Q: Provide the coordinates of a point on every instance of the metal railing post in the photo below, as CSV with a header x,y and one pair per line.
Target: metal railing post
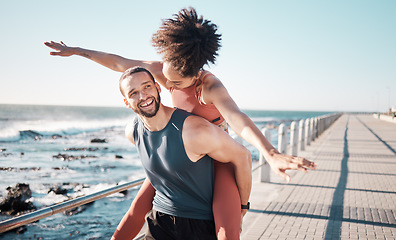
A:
x,y
282,138
265,167
307,132
312,128
315,128
293,138
301,136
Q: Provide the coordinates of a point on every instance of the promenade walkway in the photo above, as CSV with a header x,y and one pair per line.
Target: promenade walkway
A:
x,y
352,194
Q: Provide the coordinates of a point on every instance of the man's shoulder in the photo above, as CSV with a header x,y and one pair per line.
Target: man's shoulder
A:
x,y
182,112
132,124
130,129
196,125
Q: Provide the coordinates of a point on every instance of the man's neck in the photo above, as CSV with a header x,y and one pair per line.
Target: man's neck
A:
x,y
160,120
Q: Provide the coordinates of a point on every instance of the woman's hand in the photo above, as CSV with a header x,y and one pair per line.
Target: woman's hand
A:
x,y
61,49
281,162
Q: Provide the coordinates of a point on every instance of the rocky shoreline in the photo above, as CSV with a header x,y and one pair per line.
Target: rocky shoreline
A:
x,y
16,202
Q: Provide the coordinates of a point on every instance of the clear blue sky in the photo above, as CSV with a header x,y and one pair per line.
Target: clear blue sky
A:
x,y
275,55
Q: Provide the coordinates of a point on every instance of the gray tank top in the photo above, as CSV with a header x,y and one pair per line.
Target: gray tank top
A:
x,y
183,188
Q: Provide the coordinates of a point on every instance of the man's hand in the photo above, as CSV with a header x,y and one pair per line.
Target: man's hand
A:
x,y
281,162
61,49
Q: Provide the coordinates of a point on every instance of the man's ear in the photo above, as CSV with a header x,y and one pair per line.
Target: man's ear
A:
x,y
158,87
127,103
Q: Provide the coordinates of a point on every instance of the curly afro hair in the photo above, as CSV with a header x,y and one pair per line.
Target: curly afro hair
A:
x,y
187,42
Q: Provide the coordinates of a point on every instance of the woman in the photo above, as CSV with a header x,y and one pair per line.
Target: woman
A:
x,y
187,43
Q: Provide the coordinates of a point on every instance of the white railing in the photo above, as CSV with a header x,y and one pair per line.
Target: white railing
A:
x,y
296,138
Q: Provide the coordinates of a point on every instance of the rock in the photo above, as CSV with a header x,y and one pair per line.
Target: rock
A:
x,y
15,202
118,157
20,230
82,149
66,157
98,140
29,169
77,210
21,191
59,168
56,136
125,192
9,169
58,190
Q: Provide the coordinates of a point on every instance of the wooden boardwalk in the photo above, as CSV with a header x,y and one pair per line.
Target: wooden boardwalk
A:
x,y
352,194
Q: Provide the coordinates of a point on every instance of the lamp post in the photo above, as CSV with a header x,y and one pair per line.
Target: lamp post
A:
x,y
389,97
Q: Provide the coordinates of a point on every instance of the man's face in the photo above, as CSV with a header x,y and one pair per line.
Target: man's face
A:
x,y
141,94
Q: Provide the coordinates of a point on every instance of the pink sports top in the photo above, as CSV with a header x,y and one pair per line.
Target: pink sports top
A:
x,y
191,101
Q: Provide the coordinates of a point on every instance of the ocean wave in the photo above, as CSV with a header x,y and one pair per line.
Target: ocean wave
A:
x,y
46,128
48,199
41,197
264,119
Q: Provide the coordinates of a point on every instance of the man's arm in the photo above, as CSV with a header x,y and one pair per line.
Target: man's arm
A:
x,y
201,137
112,61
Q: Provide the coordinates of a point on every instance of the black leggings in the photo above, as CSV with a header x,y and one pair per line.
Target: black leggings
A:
x,y
162,226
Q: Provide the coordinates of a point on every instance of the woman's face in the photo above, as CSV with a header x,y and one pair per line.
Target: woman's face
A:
x,y
174,79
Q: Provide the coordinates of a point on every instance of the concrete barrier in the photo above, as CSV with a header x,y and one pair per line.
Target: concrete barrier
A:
x,y
385,117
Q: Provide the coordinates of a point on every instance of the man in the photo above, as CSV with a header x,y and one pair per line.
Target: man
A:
x,y
177,151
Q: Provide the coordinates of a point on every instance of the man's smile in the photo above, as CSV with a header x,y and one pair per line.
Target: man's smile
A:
x,y
146,103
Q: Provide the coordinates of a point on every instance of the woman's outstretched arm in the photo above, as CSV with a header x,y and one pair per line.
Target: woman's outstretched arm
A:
x,y
109,60
214,92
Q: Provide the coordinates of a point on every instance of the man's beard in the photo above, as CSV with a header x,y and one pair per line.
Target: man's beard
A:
x,y
156,103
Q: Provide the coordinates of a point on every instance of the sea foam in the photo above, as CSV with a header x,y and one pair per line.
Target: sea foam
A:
x,y
29,129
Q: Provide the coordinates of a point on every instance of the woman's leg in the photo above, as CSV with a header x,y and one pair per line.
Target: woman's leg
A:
x,y
134,218
226,202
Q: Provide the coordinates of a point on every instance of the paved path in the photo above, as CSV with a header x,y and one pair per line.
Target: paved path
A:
x,y
352,194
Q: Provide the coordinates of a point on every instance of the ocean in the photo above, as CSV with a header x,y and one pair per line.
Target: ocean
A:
x,y
81,150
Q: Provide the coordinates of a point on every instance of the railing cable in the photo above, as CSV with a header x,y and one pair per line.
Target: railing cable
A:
x,y
61,207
